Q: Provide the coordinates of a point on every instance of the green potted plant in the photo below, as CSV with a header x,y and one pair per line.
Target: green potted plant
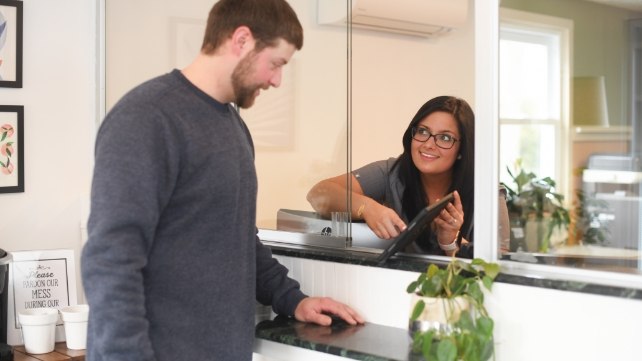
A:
x,y
534,199
449,320
589,228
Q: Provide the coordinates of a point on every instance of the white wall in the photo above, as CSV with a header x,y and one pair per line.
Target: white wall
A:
x,y
394,75
58,95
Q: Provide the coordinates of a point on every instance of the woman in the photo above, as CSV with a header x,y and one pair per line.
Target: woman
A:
x,y
438,158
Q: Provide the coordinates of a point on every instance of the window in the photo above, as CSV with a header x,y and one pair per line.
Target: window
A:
x,y
531,99
540,58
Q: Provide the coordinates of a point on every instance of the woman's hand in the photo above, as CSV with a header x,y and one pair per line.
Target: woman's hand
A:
x,y
450,221
383,221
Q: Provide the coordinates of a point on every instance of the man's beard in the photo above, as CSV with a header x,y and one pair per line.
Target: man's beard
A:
x,y
244,92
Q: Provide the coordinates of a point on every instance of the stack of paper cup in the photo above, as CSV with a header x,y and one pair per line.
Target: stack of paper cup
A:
x,y
38,329
75,320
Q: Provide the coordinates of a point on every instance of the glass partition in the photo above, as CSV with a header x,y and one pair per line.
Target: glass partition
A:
x,y
394,74
300,129
570,132
348,96
345,99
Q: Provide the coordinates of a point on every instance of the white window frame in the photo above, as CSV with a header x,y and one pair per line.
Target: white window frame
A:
x,y
563,28
487,163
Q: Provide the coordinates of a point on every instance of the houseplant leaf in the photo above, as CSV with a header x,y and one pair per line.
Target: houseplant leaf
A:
x,y
485,325
427,344
469,336
446,350
419,308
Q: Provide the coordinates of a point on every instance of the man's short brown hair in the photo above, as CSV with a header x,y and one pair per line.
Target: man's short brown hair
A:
x,y
269,20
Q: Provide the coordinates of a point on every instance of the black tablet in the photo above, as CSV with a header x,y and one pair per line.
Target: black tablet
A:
x,y
414,228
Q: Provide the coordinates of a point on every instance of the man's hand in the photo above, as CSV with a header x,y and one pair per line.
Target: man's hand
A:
x,y
312,309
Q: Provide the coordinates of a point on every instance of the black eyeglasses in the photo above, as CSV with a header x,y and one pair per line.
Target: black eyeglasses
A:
x,y
443,141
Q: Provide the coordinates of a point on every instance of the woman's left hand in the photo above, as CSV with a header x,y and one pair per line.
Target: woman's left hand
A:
x,y
450,221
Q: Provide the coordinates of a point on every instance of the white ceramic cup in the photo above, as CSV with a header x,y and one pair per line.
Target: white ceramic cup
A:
x,y
38,329
75,320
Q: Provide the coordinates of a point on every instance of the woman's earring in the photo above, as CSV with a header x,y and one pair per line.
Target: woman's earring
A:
x,y
458,156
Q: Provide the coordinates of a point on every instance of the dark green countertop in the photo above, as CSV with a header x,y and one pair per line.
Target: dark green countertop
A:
x,y
368,342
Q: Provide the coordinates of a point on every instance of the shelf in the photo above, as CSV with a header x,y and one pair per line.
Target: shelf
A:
x,y
598,133
60,353
611,176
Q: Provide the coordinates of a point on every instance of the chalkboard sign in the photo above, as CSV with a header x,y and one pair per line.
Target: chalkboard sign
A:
x,y
39,279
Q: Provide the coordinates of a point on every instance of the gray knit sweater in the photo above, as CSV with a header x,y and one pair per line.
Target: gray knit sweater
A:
x,y
173,266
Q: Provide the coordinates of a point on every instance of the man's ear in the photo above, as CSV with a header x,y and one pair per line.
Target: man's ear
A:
x,y
242,40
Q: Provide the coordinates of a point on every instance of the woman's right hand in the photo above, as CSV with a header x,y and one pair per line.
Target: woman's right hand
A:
x,y
329,195
383,221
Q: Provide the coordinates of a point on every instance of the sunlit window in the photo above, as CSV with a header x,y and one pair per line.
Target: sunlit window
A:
x,y
530,117
574,185
534,126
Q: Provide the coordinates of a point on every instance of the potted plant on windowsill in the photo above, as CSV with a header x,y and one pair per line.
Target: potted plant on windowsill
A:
x,y
449,320
536,208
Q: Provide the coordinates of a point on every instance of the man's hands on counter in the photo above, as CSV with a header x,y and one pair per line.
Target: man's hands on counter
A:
x,y
315,310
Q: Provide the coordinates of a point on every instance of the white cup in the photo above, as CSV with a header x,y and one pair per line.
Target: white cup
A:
x,y
38,329
75,320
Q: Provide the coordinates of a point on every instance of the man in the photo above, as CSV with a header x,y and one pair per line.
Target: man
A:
x,y
173,265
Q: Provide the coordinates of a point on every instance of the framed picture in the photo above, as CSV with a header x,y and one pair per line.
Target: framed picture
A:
x,y
39,278
12,164
10,44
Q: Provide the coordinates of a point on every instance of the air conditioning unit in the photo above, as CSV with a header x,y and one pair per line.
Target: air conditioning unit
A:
x,y
411,17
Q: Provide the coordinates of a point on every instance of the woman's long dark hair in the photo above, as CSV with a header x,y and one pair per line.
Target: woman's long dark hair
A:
x,y
414,196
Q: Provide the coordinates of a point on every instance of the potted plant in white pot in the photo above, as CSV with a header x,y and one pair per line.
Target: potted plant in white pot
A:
x,y
449,320
536,208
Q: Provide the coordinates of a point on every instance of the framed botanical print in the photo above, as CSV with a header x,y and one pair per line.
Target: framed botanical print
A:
x,y
12,149
10,44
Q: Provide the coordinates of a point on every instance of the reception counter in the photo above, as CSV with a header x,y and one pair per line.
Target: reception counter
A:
x,y
378,292
361,342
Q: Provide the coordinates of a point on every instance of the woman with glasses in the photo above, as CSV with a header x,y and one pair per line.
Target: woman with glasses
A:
x,y
438,158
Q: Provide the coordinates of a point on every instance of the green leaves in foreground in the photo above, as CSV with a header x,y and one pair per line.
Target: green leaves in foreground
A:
x,y
472,338
472,341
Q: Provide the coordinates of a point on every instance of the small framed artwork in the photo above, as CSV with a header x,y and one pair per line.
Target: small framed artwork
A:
x,y
10,44
12,163
37,279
